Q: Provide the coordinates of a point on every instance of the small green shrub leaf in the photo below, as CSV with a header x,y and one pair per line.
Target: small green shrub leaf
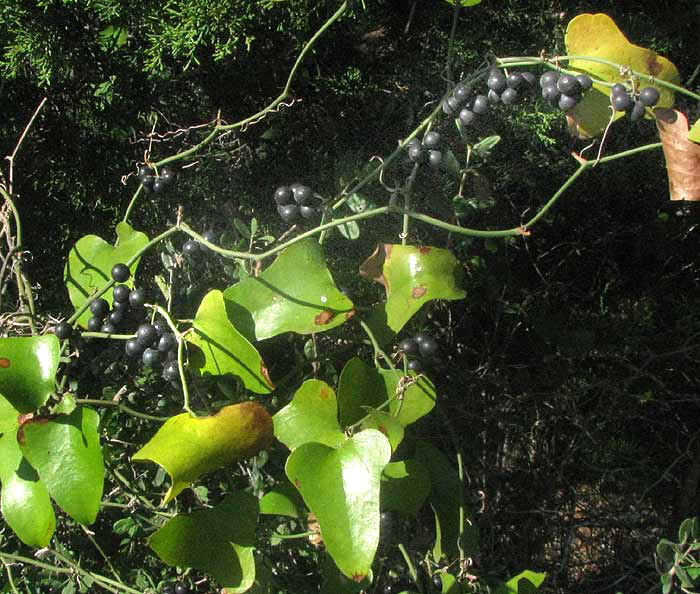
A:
x,y
311,416
188,447
65,451
295,294
28,366
223,350
90,264
405,486
341,488
218,541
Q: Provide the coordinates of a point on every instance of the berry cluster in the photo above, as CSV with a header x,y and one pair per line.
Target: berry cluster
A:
x,y
192,247
155,343
177,589
564,91
419,351
427,150
507,89
471,106
635,107
156,183
294,201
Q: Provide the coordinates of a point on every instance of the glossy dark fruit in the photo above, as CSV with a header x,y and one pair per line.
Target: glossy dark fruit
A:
x,y
133,347
302,194
549,78
150,357
496,80
416,153
422,336
567,102
446,109
528,77
453,102
159,186
121,293
414,365
568,85
515,80
620,101
466,116
618,89
284,195
431,139
509,96
108,328
63,330
115,317
167,175
461,93
146,334
99,308
435,158
428,347
493,96
121,272
161,326
585,82
94,324
481,104
437,581
170,371
190,247
414,141
408,346
550,92
288,212
146,171
167,590
167,342
638,110
180,589
306,211
137,297
649,96
148,181
121,308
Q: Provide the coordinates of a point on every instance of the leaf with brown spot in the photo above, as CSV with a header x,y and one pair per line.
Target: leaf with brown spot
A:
x,y
682,155
324,317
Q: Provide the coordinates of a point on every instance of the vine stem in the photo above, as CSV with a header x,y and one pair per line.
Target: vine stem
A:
x,y
120,406
411,568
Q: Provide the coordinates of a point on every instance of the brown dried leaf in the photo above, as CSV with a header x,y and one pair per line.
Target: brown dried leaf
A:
x,y
682,155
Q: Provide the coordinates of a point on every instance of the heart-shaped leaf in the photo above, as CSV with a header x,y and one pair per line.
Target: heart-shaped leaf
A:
x,y
282,501
28,366
412,276
218,541
312,415
295,294
405,485
65,451
362,388
90,263
224,350
597,35
682,155
25,502
341,488
188,447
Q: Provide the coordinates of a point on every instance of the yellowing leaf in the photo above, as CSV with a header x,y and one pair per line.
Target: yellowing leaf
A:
x,y
597,35
188,447
682,155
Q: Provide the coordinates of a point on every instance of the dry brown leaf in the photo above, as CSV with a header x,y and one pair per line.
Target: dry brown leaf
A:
x,y
682,155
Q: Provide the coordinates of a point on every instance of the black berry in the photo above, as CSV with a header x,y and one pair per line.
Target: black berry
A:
x,y
466,116
284,195
515,80
416,153
94,324
428,347
408,346
161,326
481,104
180,589
414,365
288,212
621,101
167,342
649,96
638,110
437,581
307,212
431,139
63,330
190,247
99,308
496,80
120,272
167,590
133,347
167,175
115,317
170,371
137,297
150,357
108,328
121,294
509,96
435,158
549,78
585,82
146,334
567,102
159,186
568,85
302,194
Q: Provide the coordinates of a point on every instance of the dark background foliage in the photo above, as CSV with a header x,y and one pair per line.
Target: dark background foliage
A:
x,y
570,371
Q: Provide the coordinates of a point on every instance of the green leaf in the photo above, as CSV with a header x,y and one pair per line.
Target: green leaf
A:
x,y
694,132
113,37
597,35
295,294
387,424
312,415
188,447
412,276
359,203
483,148
218,541
341,488
25,502
445,500
687,530
665,552
350,230
284,500
450,585
90,263
334,582
223,349
28,366
405,485
525,582
466,2
451,163
65,451
362,387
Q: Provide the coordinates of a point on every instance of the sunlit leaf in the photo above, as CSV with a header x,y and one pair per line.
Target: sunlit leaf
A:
x,y
28,366
65,451
224,350
519,584
405,485
341,488
597,35
388,424
412,276
694,133
218,541
283,500
188,447
90,264
682,155
295,294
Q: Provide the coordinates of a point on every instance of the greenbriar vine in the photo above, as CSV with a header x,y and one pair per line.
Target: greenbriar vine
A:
x,y
342,478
